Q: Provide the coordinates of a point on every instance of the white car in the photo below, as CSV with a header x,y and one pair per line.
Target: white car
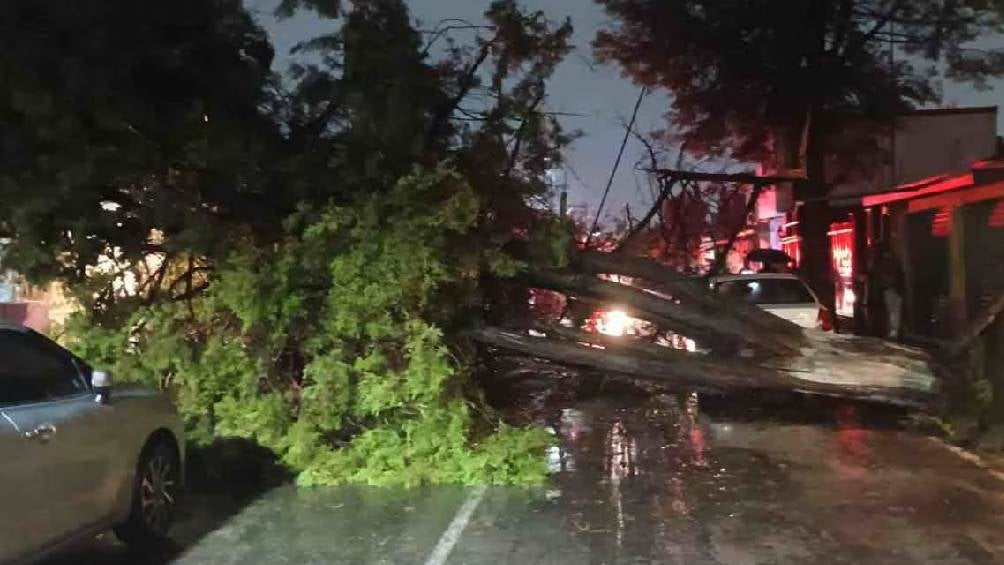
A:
x,y
784,295
78,457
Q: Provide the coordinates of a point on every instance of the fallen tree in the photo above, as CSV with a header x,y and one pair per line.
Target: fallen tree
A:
x,y
681,370
741,346
724,333
661,278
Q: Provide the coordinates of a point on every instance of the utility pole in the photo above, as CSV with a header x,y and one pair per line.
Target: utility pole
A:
x,y
557,182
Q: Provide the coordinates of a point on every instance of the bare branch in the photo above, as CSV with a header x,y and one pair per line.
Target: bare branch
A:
x,y
882,22
667,188
444,27
465,84
517,143
723,255
741,178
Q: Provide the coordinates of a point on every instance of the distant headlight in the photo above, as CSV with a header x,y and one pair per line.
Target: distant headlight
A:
x,y
615,323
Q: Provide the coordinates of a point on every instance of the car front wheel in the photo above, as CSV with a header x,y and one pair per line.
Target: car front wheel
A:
x,y
154,498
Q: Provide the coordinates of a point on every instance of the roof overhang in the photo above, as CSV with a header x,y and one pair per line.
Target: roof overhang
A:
x,y
925,187
972,195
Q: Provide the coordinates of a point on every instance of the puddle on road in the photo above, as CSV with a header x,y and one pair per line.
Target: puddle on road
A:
x,y
637,476
683,479
654,479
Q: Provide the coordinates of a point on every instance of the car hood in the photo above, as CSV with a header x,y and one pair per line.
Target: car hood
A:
x,y
805,315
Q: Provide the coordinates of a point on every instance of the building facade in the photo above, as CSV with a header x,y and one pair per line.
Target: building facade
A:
x,y
919,148
948,234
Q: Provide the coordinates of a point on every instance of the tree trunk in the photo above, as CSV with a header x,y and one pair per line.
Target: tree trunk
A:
x,y
976,327
816,268
814,214
994,371
686,371
688,290
721,332
749,348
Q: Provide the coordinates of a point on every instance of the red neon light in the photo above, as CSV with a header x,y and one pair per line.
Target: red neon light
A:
x,y
744,233
970,195
842,249
792,246
997,215
842,257
942,224
950,183
987,164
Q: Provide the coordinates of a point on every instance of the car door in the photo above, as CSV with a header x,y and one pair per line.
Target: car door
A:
x,y
17,493
57,464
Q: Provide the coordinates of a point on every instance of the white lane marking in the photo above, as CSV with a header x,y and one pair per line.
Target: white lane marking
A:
x,y
452,533
12,422
969,456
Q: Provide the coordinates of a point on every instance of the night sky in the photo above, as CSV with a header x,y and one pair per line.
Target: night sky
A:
x,y
600,94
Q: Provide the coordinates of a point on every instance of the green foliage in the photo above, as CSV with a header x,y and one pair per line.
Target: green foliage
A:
x,y
433,447
556,236
504,265
135,116
742,71
321,349
290,256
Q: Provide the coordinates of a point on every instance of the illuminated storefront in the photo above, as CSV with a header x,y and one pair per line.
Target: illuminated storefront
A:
x,y
842,256
791,242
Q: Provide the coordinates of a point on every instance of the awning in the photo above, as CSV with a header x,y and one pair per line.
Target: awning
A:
x,y
925,187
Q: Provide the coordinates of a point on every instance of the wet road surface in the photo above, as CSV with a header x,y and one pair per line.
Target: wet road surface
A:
x,y
639,481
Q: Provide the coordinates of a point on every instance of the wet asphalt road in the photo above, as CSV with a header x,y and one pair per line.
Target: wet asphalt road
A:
x,y
638,481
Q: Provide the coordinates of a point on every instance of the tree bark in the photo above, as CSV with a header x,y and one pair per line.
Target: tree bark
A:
x,y
749,348
816,266
633,231
689,291
739,178
976,327
720,332
686,371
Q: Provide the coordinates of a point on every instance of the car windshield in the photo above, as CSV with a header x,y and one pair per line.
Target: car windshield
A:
x,y
767,291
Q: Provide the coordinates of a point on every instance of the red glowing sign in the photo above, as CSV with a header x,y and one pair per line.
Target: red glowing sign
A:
x,y
842,257
792,246
842,249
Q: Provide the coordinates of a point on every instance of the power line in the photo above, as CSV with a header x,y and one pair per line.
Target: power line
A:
x,y
617,163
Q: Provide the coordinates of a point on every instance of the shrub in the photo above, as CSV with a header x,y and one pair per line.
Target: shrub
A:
x,y
327,347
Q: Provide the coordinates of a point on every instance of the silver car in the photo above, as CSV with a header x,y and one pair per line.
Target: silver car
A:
x,y
77,457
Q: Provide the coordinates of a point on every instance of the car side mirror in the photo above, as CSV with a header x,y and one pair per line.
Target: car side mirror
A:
x,y
101,383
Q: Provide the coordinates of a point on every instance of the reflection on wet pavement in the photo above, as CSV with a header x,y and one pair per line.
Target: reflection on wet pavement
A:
x,y
660,480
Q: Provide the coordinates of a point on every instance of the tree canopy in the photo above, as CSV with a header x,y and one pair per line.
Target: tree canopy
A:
x,y
741,71
276,249
773,82
121,118
167,120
